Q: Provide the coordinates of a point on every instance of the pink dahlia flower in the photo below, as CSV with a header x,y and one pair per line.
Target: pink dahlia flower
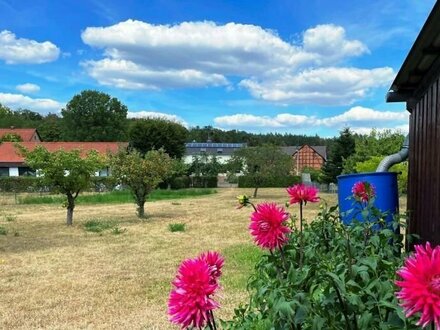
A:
x,y
420,285
268,226
190,302
363,191
300,193
215,263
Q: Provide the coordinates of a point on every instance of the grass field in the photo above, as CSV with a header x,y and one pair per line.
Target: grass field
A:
x,y
56,277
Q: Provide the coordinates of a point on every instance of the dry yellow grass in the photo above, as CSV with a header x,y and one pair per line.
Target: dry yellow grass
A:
x,y
55,277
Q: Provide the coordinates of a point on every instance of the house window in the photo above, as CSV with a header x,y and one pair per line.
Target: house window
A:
x,y
26,171
4,171
202,149
220,151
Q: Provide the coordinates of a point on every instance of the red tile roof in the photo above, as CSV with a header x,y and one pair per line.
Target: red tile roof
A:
x,y
10,154
26,134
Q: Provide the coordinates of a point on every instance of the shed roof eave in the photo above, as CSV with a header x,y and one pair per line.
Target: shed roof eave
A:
x,y
423,54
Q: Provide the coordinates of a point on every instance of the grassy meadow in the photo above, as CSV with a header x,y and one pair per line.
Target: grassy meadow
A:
x,y
93,276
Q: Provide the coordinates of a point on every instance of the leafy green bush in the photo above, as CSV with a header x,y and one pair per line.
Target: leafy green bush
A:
x,y
269,182
173,227
346,279
3,231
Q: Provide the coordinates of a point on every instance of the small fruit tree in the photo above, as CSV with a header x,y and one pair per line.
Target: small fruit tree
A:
x,y
68,172
140,173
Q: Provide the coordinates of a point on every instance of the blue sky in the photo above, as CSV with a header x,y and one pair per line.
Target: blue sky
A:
x,y
304,67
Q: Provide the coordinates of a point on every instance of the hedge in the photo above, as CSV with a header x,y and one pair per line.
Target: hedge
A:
x,y
102,183
204,181
31,184
269,182
18,184
180,182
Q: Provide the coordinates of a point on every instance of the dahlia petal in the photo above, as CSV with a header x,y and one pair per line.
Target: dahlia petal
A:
x,y
419,285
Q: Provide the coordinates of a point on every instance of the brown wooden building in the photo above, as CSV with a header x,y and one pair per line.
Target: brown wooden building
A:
x,y
306,157
418,84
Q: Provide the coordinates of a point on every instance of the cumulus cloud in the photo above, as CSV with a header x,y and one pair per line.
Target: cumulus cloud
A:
x,y
15,50
357,118
16,101
155,114
28,88
139,55
325,86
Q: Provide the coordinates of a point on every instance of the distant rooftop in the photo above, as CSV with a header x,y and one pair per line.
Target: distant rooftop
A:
x,y
212,148
291,150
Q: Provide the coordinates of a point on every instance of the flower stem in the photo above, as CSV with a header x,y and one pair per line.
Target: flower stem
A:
x,y
252,204
344,307
283,259
301,238
213,320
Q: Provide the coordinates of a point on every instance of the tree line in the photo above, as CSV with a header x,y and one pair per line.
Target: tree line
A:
x,y
96,116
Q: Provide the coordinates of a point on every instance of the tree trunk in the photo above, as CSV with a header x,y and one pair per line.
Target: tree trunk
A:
x,y
141,210
255,192
70,207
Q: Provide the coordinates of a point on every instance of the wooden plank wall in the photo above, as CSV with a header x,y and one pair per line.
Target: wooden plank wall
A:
x,y
424,167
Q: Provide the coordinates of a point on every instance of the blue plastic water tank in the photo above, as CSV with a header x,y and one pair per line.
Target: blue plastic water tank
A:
x,y
387,198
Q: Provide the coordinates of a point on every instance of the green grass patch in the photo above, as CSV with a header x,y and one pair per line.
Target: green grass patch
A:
x,y
98,226
3,231
240,262
117,197
173,227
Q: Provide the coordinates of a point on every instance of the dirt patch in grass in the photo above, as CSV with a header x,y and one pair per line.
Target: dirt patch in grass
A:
x,y
56,277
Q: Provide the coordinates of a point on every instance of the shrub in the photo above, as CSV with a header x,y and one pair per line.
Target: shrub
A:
x,y
3,231
173,227
269,182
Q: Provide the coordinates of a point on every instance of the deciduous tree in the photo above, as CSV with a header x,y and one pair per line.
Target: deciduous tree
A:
x,y
157,133
66,171
94,116
141,173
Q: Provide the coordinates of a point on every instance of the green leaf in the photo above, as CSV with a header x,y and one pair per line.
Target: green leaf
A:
x,y
318,323
370,262
365,320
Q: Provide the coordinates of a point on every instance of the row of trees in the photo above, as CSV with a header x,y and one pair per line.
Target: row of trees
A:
x,y
70,173
96,116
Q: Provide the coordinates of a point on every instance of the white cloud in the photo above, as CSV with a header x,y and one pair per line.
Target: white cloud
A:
x,y
279,121
15,50
325,86
357,118
16,101
155,114
364,116
28,88
330,43
129,75
139,55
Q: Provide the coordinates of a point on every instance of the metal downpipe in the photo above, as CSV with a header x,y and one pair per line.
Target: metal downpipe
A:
x,y
396,158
